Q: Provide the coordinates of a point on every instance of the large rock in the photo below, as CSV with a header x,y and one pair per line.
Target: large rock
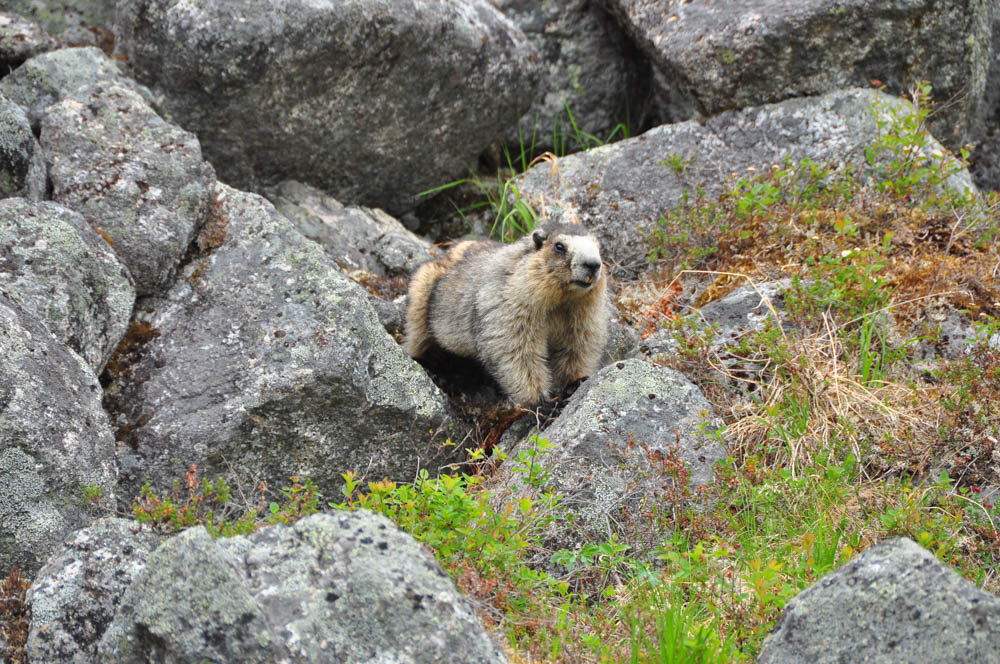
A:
x,y
622,190
51,77
136,178
20,39
371,101
76,594
589,66
894,603
267,361
631,432
719,56
57,267
347,587
54,438
22,168
357,238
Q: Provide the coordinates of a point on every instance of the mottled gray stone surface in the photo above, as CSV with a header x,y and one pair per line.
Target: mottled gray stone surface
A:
x,y
51,77
621,190
22,168
76,594
58,268
269,362
619,441
716,56
58,15
54,438
894,604
589,65
342,587
20,39
371,101
135,177
357,238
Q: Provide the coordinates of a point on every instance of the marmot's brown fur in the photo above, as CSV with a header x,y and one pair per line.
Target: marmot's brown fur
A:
x,y
534,312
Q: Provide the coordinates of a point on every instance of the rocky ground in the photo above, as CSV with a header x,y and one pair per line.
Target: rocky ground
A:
x,y
207,220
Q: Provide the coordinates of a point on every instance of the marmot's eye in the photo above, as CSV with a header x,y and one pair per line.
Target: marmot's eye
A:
x,y
560,248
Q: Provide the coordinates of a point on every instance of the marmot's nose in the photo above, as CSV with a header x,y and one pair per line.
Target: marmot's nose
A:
x,y
591,266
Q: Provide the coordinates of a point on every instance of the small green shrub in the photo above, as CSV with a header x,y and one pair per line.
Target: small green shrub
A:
x,y
208,504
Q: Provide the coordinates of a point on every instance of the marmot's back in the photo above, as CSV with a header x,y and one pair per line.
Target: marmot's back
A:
x,y
532,312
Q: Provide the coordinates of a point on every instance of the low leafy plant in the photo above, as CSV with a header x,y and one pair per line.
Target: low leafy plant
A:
x,y
200,502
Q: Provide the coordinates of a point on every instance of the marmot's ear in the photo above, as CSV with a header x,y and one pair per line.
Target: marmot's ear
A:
x,y
539,236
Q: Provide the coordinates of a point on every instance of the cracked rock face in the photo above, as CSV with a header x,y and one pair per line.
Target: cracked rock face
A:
x,y
371,101
265,361
342,587
895,602
54,439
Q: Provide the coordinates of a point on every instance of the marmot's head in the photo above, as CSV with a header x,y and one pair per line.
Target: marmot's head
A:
x,y
571,255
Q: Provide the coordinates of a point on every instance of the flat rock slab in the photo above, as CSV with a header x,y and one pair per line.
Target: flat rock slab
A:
x,y
342,587
894,604
76,594
715,56
621,190
631,432
135,177
371,101
265,361
57,267
54,438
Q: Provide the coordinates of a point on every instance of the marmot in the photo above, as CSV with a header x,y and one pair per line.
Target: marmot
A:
x,y
534,312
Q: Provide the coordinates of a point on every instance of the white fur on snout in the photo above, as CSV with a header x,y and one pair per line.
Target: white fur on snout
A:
x,y
584,249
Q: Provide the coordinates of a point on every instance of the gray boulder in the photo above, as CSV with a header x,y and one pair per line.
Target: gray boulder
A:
x,y
22,168
719,56
136,178
51,77
20,39
621,190
58,268
58,15
265,361
370,101
54,438
589,65
894,604
76,594
357,238
347,587
631,432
